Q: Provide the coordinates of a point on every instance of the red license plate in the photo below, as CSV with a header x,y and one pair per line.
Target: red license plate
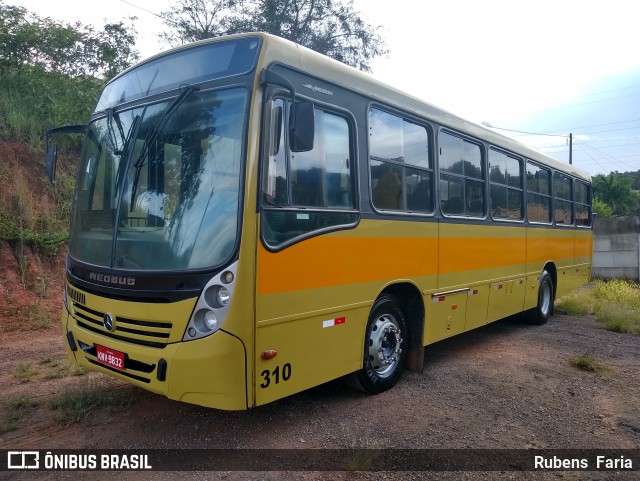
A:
x,y
110,357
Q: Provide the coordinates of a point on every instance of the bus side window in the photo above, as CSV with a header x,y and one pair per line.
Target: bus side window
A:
x,y
314,185
506,186
563,206
400,163
462,177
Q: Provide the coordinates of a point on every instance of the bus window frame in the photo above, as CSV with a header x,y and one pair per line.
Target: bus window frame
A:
x,y
572,224
484,164
429,128
550,196
589,187
522,188
270,95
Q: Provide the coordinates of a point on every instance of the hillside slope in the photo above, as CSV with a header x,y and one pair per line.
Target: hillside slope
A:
x,y
31,272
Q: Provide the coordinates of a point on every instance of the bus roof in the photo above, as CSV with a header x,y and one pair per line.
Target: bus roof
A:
x,y
277,49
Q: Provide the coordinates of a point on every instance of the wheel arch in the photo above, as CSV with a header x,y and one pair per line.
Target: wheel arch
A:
x,y
550,267
412,304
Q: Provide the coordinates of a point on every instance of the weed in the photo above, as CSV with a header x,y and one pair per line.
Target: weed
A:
x,y
76,405
59,368
13,410
587,362
24,372
41,317
361,454
616,304
618,291
619,317
577,304
77,370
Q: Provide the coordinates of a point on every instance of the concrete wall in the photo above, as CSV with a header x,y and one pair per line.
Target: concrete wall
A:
x,y
616,248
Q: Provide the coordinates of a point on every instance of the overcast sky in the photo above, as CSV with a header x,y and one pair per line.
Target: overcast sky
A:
x,y
543,66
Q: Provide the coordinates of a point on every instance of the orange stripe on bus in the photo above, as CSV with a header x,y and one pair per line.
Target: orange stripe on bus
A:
x,y
458,255
328,261
551,248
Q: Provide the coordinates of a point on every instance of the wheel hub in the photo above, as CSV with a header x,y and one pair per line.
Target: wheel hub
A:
x,y
384,345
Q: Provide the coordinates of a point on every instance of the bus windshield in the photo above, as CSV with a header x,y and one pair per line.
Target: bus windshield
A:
x,y
159,186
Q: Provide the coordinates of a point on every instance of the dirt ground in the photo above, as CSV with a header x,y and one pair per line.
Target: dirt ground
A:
x,y
504,386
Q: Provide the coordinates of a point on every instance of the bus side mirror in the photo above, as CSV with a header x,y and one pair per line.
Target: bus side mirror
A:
x,y
50,162
52,150
301,126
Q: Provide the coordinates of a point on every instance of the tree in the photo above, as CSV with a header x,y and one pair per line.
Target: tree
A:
x,y
615,190
331,27
70,49
602,209
51,73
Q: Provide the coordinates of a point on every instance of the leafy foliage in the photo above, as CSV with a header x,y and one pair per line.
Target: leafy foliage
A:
x,y
51,73
69,49
601,208
616,191
330,27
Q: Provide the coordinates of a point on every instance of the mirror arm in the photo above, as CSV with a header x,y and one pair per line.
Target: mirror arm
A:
x,y
271,77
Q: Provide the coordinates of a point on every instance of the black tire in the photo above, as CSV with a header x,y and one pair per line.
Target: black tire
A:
x,y
544,310
385,347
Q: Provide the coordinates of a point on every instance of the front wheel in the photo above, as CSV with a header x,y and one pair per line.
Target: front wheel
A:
x,y
543,311
384,347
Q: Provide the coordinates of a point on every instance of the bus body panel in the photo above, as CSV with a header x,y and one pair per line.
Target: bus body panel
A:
x,y
222,356
311,350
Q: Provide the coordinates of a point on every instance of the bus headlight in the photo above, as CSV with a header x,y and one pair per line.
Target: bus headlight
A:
x,y
222,296
206,320
212,306
217,296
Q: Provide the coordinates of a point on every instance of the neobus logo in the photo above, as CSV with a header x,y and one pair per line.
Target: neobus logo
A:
x,y
318,89
107,279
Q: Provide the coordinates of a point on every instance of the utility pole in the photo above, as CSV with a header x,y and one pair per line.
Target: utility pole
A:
x,y
570,148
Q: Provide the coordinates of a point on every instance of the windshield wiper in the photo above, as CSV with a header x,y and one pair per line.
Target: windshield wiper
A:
x,y
112,140
152,134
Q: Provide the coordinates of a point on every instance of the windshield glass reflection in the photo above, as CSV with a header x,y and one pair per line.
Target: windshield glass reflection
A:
x,y
176,206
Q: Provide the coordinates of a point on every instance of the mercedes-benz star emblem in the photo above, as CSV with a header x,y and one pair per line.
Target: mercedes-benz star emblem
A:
x,y
108,322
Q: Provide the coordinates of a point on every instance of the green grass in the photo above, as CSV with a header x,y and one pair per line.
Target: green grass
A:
x,y
14,410
615,303
59,368
587,362
579,303
618,318
86,404
622,292
24,372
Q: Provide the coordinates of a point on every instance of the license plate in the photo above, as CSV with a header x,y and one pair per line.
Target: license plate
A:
x,y
110,357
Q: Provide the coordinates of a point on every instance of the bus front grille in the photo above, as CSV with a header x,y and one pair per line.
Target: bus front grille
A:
x,y
136,331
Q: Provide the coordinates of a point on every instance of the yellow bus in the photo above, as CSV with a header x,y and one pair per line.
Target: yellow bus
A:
x,y
252,219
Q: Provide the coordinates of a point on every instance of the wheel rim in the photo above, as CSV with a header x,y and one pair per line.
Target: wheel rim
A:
x,y
385,339
545,298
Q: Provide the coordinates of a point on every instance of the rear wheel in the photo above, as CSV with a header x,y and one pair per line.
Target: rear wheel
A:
x,y
384,347
544,309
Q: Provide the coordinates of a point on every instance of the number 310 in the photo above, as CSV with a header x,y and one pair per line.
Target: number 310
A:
x,y
276,374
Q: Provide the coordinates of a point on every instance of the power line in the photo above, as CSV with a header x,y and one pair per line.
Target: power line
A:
x,y
164,19
488,124
610,158
595,125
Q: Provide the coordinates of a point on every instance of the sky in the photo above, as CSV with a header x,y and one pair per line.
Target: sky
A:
x,y
549,67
